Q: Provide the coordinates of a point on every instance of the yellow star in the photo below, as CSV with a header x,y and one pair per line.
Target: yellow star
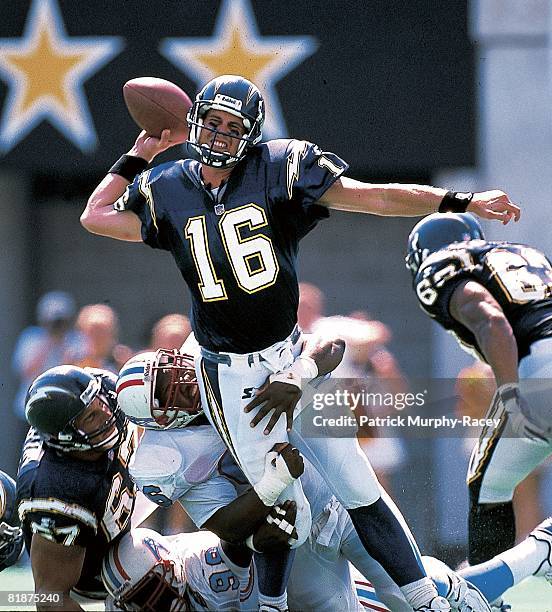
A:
x,y
45,70
236,47
45,73
237,58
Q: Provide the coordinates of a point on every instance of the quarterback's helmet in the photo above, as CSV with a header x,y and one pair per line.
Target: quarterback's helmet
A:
x,y
436,231
58,396
159,390
11,535
141,572
237,96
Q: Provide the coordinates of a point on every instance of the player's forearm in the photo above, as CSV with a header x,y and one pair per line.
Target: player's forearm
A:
x,y
383,199
236,521
106,193
100,218
237,555
498,344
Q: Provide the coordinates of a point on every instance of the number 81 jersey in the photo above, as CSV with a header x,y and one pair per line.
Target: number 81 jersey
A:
x,y
519,277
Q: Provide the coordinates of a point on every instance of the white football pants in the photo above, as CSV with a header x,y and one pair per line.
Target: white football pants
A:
x,y
227,381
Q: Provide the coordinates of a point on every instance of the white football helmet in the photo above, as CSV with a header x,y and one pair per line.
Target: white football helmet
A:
x,y
159,390
141,572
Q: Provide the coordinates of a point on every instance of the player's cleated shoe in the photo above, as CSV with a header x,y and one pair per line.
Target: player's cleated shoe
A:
x,y
437,604
464,596
543,533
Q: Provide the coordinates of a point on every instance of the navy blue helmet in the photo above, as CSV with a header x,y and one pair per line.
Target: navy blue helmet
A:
x,y
235,95
58,396
436,231
11,536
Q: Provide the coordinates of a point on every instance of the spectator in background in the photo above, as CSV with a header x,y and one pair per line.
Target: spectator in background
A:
x,y
369,362
170,332
311,306
52,342
99,325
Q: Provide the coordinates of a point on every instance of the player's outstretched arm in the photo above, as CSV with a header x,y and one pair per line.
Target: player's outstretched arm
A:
x,y
99,216
56,569
282,390
399,200
477,310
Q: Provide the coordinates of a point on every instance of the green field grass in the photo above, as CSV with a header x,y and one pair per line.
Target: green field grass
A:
x,y
533,595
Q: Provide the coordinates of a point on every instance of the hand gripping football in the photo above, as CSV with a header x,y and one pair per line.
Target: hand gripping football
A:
x,y
156,105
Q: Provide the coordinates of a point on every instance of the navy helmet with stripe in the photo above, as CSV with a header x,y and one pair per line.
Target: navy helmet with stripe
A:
x,y
237,96
437,231
60,395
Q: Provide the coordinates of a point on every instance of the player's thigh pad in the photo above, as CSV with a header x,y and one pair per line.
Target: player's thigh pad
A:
x,y
344,467
498,465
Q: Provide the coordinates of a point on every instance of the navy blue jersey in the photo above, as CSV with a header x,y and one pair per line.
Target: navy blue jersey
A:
x,y
237,252
517,276
76,503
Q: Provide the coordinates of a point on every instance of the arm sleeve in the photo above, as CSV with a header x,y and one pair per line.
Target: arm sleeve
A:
x,y
139,198
305,173
309,172
203,500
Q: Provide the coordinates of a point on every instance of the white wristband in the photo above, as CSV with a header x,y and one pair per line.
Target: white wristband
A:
x,y
275,479
302,368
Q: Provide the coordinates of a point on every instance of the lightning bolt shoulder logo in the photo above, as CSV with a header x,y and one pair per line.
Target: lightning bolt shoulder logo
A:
x,y
237,47
45,70
297,152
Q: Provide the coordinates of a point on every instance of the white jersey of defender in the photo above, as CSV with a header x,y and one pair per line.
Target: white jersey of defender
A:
x,y
191,466
212,581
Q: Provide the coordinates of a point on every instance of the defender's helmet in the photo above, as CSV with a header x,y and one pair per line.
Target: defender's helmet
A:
x,y
237,96
58,396
141,572
436,231
11,535
159,390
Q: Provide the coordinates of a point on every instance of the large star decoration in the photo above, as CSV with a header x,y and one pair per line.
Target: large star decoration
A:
x,y
237,47
45,71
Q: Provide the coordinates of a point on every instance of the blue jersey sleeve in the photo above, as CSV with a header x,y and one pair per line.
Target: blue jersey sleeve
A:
x,y
303,173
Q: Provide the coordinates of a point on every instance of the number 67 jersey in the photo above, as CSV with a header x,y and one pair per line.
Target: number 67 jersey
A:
x,y
519,277
74,502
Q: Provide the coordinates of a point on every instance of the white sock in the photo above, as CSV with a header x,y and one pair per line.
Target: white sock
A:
x,y
525,558
419,593
276,603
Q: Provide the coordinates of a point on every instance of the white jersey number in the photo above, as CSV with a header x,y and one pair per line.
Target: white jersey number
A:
x,y
120,501
252,259
524,277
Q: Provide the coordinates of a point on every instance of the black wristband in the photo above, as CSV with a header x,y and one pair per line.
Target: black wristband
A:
x,y
455,201
128,166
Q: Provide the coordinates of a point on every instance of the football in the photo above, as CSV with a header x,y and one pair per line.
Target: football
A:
x,y
156,104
